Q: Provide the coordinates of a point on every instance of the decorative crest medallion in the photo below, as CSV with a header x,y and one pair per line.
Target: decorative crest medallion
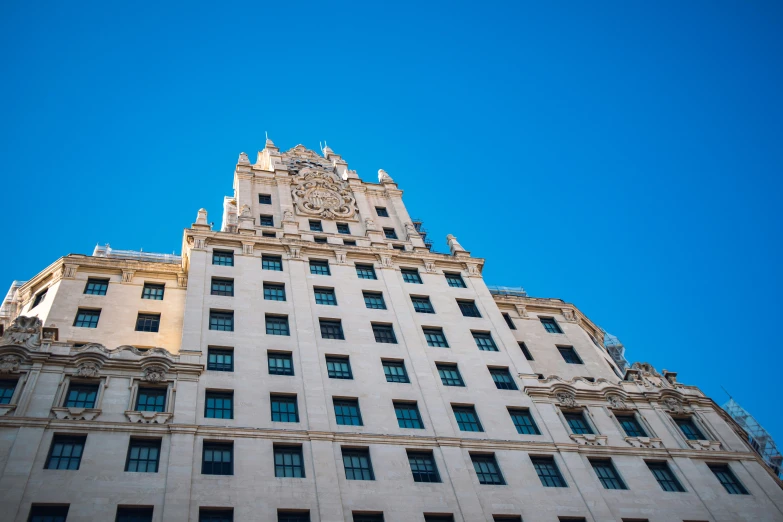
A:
x,y
566,399
9,364
154,374
88,370
24,331
317,193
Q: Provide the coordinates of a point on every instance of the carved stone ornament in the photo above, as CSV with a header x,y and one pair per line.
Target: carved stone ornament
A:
x,y
566,399
711,445
148,417
649,377
589,439
644,442
154,374
294,252
127,276
386,261
383,177
76,413
288,216
247,249
673,405
88,370
472,269
569,315
369,224
429,266
616,402
182,280
410,229
521,310
24,331
318,193
244,211
342,257
9,364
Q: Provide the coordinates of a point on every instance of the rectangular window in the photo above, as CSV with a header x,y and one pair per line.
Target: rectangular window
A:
x,y
366,272
523,422
320,239
215,515
484,341
487,470
368,517
331,329
222,258
315,226
357,463
389,233
338,367
277,325
81,395
272,263
96,286
665,477
576,421
689,429
274,291
143,455
468,308
343,228
467,419
381,211
384,333
265,199
631,426
268,234
221,321
280,363
151,399
395,371
503,379
293,516
454,280
87,318
423,466
408,415
569,355
133,514
39,298
435,337
325,296
153,291
422,304
7,389
265,220
222,286
218,458
438,518
65,452
398,247
449,375
548,472
509,322
289,462
48,513
374,300
411,275
284,408
525,351
148,323
550,325
727,479
346,412
349,242
219,405
319,267
606,473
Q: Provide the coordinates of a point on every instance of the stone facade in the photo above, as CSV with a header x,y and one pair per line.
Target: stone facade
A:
x,y
272,220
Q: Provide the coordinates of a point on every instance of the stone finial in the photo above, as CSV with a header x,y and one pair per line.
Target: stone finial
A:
x,y
243,159
269,144
454,246
383,177
327,150
201,218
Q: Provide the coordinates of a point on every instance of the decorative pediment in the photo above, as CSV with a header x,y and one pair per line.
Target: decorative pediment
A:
x,y
319,193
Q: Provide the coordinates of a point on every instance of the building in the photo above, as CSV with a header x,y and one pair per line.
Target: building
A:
x,y
315,360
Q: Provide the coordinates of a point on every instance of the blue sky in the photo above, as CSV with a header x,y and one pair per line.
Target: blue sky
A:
x,y
624,156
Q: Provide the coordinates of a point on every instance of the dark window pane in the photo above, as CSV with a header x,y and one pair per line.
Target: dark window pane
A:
x,y
381,211
423,467
468,308
272,263
289,462
48,513
523,422
435,337
325,296
606,473
215,515
366,272
151,399
218,459
577,423
265,220
487,470
438,518
280,363
550,325
346,412
39,298
220,360
284,408
320,239
455,280
134,514
665,477
548,473
569,355
509,322
389,233
631,426
349,242
221,321
148,323
357,464
319,267
7,389
293,516
81,395
343,228
525,351
467,419
143,456
96,286
331,329
503,379
277,325
689,429
411,276
727,479
222,258
274,292
222,286
87,318
449,375
154,292
384,333
484,341
422,304
265,199
219,405
408,415
368,517
316,226
65,452
339,368
374,300
395,371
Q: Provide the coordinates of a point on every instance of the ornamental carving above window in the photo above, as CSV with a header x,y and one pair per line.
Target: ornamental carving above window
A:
x,y
317,193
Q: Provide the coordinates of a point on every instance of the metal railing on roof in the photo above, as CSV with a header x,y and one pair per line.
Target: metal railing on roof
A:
x,y
517,291
138,255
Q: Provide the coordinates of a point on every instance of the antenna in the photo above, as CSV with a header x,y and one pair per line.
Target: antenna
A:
x,y
321,146
266,135
727,393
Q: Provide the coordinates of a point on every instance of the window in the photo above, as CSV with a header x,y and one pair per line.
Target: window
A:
x,y
315,226
293,516
268,234
48,513
487,470
320,239
422,304
449,375
389,233
325,296
467,418
550,325
349,242
727,479
381,211
7,389
39,298
548,472
222,286
274,292
455,280
87,318
366,272
346,412
280,363
284,408
148,323
272,263
338,367
151,399
277,325
343,228
331,329
576,421
569,355
222,258
221,321
631,426
357,464
689,429
435,337
525,351
503,379
368,517
289,462
423,466
96,286
143,455
81,395
411,275
484,341
133,514
665,477
398,247
374,300
468,308
509,322
218,458
265,220
319,267
408,415
153,291
265,199
219,405
384,333
607,474
215,515
438,518
506,518
395,371
65,452
523,422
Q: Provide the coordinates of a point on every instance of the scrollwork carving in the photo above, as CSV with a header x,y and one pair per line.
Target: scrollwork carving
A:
x,y
318,193
616,402
9,364
154,374
566,400
88,370
24,331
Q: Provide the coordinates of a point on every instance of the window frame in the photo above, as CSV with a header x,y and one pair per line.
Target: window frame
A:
x,y
343,228
571,418
222,446
381,212
435,337
315,225
363,270
104,286
63,439
673,484
283,356
637,427
284,398
358,453
411,275
220,366
293,450
374,300
319,267
222,286
489,477
502,371
153,288
331,297
347,402
467,409
450,367
390,233
223,320
272,263
331,329
607,473
453,277
554,477
468,308
569,354
408,407
383,332
148,322
266,220
428,460
278,320
524,428
733,485
422,304
509,321
344,372
221,395
486,336
150,391
550,324
525,351
223,257
396,377
274,291
76,385
143,442
88,312
265,199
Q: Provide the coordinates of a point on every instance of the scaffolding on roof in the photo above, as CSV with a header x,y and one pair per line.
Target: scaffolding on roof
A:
x,y
758,438
517,291
107,251
616,349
